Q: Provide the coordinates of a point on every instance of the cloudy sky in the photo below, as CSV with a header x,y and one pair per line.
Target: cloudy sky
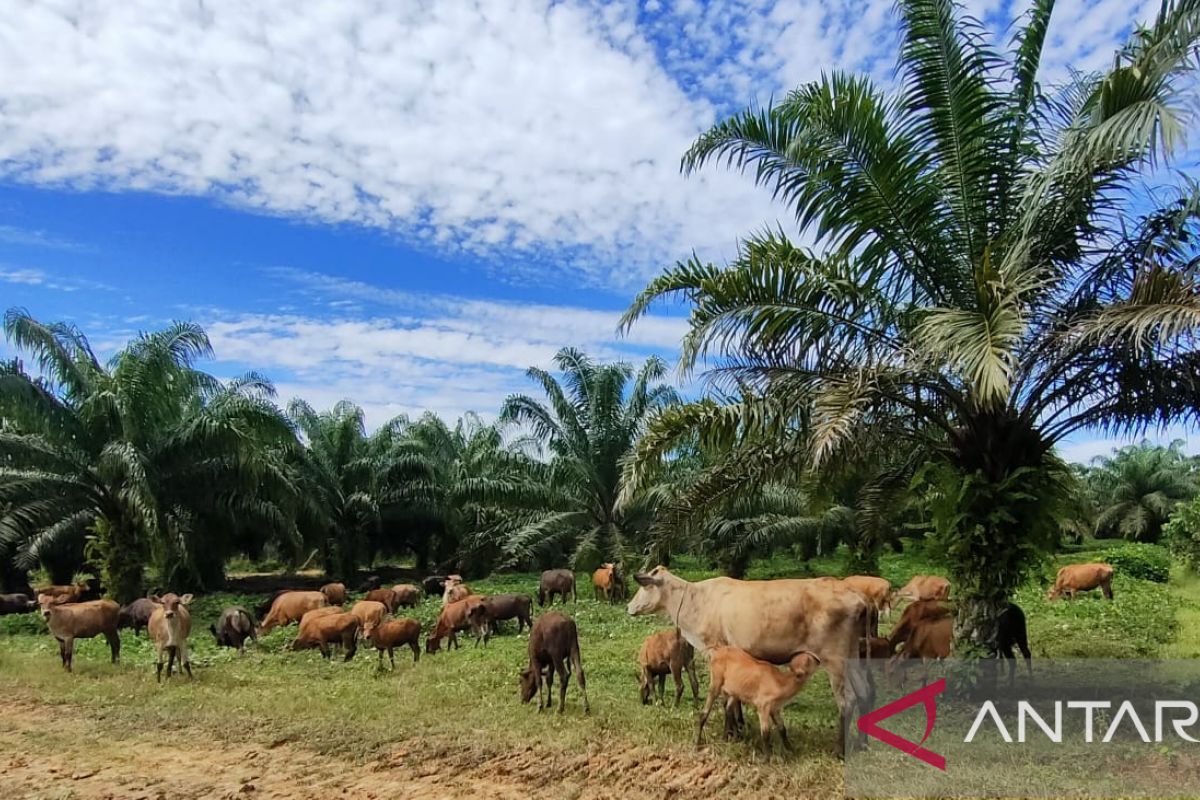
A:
x,y
406,204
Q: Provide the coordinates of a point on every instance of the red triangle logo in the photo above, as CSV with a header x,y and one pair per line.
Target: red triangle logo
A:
x,y
869,723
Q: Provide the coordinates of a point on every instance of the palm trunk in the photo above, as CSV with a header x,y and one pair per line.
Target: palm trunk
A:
x,y
121,564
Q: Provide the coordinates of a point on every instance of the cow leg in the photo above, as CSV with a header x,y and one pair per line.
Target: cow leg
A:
x,y
735,721
714,691
416,648
777,718
764,730
1106,587
850,691
64,654
351,647
185,659
453,640
549,689
392,657
564,676
691,672
677,674
661,688
171,652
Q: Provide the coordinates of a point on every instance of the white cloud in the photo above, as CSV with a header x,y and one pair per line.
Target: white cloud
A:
x,y
30,237
36,277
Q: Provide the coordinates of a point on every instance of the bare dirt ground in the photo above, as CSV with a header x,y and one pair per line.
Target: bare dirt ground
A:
x,y
54,753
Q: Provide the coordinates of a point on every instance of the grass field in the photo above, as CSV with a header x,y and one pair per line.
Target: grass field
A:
x,y
279,721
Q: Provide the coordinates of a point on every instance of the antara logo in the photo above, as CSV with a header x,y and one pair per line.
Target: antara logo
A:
x,y
869,723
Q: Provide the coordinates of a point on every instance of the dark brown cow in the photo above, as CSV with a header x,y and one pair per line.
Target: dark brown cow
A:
x,y
488,615
556,581
137,614
553,647
71,621
233,628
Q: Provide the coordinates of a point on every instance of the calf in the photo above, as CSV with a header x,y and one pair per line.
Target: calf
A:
x,y
925,587
407,595
491,611
455,592
663,653
385,596
323,631
233,628
745,679
1082,578
556,581
393,633
16,604
604,582
369,611
137,614
71,621
455,617
335,593
914,614
170,626
553,647
290,607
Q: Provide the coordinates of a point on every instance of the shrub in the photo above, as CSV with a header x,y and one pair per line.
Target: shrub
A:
x,y
1149,562
1182,534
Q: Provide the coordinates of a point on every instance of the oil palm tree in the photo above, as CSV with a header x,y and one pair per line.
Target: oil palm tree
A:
x,y
1138,488
349,480
589,422
978,287
146,457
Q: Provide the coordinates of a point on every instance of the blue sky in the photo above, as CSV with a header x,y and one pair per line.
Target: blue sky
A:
x,y
403,204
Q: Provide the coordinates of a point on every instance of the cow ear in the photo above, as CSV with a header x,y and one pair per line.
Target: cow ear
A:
x,y
187,598
644,579
153,598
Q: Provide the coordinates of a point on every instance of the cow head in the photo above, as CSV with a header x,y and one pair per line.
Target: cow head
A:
x,y
803,665
528,684
651,596
171,603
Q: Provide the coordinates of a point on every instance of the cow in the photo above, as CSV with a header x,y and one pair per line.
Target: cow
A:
x,y
1011,631
914,614
16,604
745,679
434,585
772,621
928,638
455,617
335,593
71,621
63,593
170,625
233,628
455,592
876,591
604,581
323,631
1077,578
369,611
385,596
556,581
137,614
491,611
393,633
666,653
407,595
553,647
290,607
924,587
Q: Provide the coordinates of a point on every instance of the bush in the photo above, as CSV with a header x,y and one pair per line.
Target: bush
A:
x,y
1182,534
1149,562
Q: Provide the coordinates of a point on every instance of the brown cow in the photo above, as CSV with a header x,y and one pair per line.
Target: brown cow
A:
x,y
455,617
321,632
925,587
170,626
874,647
455,592
772,621
915,614
385,596
663,653
407,595
62,593
335,593
393,633
493,610
604,582
71,621
553,647
290,607
369,611
745,679
556,581
1082,578
929,638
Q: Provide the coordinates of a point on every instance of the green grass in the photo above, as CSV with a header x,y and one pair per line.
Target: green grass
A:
x,y
352,709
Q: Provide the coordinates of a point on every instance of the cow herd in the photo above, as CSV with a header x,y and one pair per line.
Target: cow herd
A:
x,y
746,629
